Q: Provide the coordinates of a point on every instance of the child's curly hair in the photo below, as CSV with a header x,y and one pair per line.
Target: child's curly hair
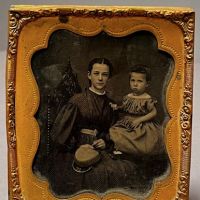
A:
x,y
143,69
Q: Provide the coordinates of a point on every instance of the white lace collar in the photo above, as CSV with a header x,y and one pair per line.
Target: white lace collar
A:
x,y
98,93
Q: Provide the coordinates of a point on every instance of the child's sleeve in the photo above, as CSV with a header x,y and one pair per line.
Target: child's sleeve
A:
x,y
151,104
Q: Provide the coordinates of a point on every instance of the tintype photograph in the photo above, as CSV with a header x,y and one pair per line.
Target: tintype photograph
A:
x,y
99,102
102,112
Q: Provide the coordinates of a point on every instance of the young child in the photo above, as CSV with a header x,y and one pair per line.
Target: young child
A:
x,y
137,132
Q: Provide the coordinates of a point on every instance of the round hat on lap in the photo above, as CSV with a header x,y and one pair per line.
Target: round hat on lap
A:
x,y
85,156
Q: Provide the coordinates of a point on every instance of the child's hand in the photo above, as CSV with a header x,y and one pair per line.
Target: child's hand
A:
x,y
136,122
113,106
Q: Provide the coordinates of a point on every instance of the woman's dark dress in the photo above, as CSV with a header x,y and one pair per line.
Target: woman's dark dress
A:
x,y
87,111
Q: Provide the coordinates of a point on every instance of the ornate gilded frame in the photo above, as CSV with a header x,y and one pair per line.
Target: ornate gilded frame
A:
x,y
23,94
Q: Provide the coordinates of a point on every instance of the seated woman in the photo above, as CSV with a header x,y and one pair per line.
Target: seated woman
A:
x,y
84,122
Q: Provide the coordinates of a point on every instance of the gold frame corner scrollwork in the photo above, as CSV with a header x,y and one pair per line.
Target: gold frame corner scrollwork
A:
x,y
19,18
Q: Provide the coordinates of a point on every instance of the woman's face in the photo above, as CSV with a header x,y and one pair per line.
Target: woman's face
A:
x,y
99,76
138,83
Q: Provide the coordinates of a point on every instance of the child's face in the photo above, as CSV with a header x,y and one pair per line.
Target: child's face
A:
x,y
138,83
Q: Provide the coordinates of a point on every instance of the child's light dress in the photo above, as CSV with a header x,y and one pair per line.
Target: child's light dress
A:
x,y
146,138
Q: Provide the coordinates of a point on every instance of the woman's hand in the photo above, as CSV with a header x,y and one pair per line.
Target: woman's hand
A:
x,y
99,144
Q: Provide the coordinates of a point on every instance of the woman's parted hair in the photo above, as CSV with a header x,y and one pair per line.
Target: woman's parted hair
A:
x,y
101,61
143,69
